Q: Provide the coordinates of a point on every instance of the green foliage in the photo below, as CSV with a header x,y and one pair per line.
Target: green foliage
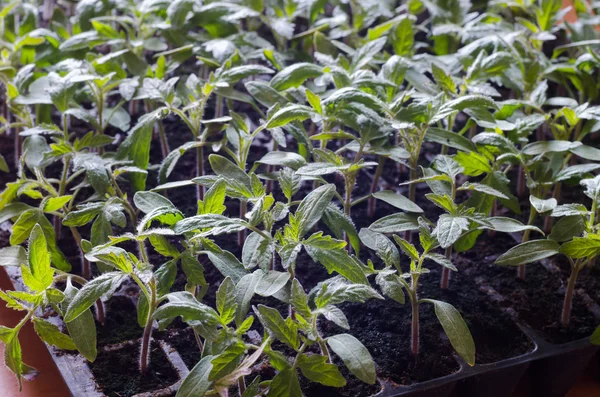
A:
x,y
344,96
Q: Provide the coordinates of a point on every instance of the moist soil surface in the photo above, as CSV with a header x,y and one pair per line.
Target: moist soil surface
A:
x,y
537,300
383,326
117,371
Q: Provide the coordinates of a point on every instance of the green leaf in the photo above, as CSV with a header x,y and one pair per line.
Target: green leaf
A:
x,y
299,299
83,328
566,228
192,269
265,94
313,206
136,148
257,251
443,79
334,259
395,223
83,215
397,200
441,260
285,384
382,246
56,203
450,139
270,283
337,290
187,306
244,292
474,164
409,249
316,369
113,256
13,256
537,148
3,164
582,247
165,277
235,178
542,206
227,264
402,37
149,201
217,224
595,338
456,330
339,223
22,228
314,100
226,301
196,384
449,229
355,355
39,259
238,73
281,330
105,284
295,75
509,225
390,285
214,199
443,201
285,159
52,335
288,114
226,362
480,187
163,246
569,210
528,252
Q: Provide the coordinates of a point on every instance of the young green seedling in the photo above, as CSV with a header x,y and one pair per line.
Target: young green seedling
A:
x,y
395,284
577,230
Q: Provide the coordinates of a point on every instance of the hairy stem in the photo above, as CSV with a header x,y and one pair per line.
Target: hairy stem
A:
x,y
271,168
145,349
521,182
374,186
414,327
242,233
164,144
100,315
325,350
241,385
412,190
521,269
568,302
200,171
493,211
446,271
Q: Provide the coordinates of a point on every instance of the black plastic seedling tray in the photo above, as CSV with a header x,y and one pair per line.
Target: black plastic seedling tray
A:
x,y
553,369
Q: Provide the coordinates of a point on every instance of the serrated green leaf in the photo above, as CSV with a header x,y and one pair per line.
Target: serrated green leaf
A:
x,y
316,369
52,335
277,327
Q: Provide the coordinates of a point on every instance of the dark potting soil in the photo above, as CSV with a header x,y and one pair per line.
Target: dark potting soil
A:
x,y
121,322
383,326
118,375
588,279
496,335
537,300
185,343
